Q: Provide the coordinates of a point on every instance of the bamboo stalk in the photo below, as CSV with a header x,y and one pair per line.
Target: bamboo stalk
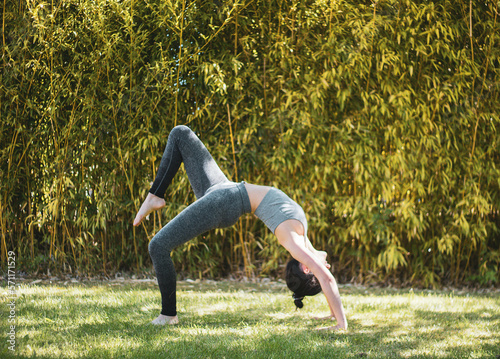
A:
x,y
179,61
232,144
485,72
236,31
3,31
248,271
30,215
473,82
55,212
371,50
71,244
4,230
131,59
103,247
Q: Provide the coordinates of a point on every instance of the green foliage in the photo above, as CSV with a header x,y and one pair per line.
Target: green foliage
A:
x,y
379,119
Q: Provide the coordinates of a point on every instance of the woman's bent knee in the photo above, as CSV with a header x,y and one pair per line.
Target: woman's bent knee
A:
x,y
155,248
180,131
159,247
152,247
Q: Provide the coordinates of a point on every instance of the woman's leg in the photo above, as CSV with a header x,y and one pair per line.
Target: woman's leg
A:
x,y
220,208
203,172
184,146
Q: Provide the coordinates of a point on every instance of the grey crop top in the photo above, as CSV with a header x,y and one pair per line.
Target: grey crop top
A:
x,y
276,207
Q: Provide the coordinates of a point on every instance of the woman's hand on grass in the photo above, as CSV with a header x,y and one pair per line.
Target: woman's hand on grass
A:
x,y
331,317
332,328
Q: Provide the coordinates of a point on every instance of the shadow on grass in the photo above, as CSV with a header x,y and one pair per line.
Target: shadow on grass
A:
x,y
478,326
124,332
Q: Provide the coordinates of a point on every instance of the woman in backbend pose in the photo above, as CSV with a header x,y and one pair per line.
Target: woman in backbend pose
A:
x,y
219,204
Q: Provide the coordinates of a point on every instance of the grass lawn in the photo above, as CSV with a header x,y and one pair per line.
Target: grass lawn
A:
x,y
237,320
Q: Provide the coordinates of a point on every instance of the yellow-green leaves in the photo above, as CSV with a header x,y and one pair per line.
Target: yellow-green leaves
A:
x,y
380,119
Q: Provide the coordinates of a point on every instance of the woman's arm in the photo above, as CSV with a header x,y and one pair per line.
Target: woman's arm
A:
x,y
293,243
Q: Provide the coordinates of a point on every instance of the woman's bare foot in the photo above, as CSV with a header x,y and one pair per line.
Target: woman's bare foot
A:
x,y
165,319
150,204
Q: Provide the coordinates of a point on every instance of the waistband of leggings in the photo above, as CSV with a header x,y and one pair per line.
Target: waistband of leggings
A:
x,y
245,199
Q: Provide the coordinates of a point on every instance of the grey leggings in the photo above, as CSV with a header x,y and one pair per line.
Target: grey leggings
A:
x,y
219,204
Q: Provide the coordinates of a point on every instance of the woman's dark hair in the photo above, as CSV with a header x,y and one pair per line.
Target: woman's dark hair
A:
x,y
300,283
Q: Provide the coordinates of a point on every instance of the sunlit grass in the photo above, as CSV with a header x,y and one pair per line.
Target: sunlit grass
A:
x,y
238,320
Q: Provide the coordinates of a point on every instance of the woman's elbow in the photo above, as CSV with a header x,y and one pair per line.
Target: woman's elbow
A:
x,y
326,277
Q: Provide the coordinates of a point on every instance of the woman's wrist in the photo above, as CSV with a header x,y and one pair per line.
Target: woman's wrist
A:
x,y
341,324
